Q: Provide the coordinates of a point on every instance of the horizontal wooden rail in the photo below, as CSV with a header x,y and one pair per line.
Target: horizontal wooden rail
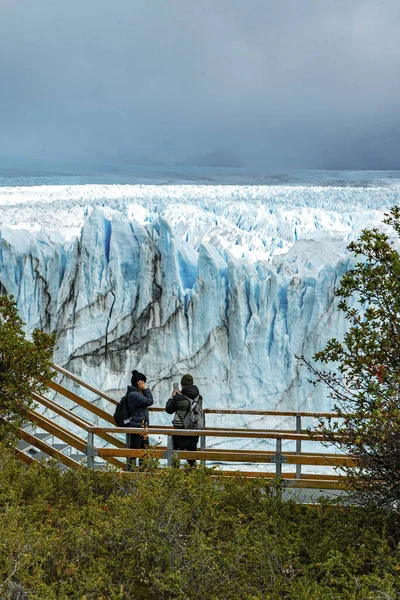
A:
x,y
66,436
258,413
328,460
271,475
307,432
70,416
221,411
320,484
84,384
269,413
36,443
81,401
233,456
250,452
288,480
24,457
60,410
129,452
58,431
224,433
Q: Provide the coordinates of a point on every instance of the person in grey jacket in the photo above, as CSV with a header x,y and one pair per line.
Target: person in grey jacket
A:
x,y
139,400
179,404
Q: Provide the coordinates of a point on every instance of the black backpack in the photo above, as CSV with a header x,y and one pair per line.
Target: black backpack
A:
x,y
121,415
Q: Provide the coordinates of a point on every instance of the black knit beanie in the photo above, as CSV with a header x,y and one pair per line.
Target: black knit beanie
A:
x,y
187,380
136,376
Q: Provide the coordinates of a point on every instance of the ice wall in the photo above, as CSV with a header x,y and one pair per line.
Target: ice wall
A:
x,y
126,295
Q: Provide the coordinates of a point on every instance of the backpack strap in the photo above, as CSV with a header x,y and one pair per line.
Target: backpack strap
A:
x,y
191,401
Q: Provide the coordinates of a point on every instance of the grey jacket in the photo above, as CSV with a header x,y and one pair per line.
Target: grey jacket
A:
x,y
138,406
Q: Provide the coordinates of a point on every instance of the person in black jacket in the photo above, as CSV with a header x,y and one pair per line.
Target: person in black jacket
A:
x,y
139,399
179,404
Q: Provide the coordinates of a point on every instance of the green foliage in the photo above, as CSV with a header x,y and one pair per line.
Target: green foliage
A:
x,y
25,366
366,382
184,534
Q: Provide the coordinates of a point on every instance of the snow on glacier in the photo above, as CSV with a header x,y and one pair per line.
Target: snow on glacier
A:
x,y
229,282
259,219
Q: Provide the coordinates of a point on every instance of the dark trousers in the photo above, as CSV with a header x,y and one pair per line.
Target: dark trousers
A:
x,y
185,442
135,441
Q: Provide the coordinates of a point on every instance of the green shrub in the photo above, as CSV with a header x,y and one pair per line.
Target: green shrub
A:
x,y
361,372
184,534
25,367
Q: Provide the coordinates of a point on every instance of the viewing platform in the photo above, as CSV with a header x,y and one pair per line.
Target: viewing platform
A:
x,y
297,457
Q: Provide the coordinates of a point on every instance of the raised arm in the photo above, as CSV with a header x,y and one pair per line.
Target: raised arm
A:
x,y
137,400
172,405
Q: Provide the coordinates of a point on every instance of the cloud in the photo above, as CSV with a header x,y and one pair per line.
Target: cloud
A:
x,y
291,83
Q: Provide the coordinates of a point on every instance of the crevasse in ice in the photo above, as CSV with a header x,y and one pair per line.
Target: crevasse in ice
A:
x,y
229,283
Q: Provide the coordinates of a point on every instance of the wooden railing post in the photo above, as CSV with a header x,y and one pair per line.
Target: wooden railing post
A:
x,y
298,445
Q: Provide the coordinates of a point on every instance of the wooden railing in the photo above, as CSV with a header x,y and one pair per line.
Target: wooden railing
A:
x,y
116,450
279,457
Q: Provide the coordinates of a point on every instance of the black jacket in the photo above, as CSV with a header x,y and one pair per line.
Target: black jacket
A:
x,y
180,405
138,406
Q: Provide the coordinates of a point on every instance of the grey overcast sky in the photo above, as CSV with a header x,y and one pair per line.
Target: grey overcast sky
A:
x,y
299,83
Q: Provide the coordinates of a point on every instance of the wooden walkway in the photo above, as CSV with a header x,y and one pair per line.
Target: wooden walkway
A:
x,y
80,433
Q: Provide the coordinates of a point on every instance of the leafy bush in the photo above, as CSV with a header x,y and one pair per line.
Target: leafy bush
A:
x,y
364,379
184,534
25,366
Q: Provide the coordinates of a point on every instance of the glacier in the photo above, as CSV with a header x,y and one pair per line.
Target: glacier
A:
x,y
228,282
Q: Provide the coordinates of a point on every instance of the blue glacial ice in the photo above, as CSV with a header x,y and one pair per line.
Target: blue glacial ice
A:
x,y
228,282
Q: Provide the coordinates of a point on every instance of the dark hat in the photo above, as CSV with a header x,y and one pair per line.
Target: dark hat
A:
x,y
136,376
186,380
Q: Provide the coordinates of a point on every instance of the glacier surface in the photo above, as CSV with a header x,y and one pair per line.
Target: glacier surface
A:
x,y
228,282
